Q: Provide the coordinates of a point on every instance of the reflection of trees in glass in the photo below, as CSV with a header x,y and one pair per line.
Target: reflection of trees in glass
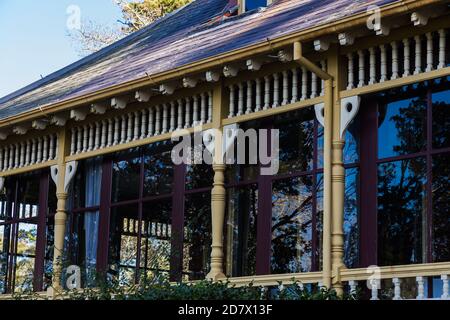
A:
x,y
401,208
296,141
402,127
197,238
351,218
126,182
241,230
441,119
158,174
291,225
441,208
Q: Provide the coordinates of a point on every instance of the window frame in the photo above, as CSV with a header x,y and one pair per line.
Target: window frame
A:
x,y
40,220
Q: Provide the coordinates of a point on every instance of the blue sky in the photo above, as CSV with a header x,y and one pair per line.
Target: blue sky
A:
x,y
33,37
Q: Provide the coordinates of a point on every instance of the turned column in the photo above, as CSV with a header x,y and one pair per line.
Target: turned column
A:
x,y
61,174
60,225
337,233
218,195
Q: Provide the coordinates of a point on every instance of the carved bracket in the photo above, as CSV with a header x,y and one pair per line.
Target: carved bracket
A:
x,y
212,76
229,135
119,103
143,95
320,113
284,56
71,169
349,110
40,124
59,119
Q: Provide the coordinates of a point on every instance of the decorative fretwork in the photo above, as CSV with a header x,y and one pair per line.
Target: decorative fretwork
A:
x,y
397,59
28,152
182,113
275,90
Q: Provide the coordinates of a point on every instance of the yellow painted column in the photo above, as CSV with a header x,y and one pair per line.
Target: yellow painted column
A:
x,y
337,176
326,247
218,193
61,214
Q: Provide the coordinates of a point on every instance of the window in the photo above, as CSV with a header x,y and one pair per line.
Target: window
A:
x,y
274,223
82,230
405,175
26,239
254,4
149,218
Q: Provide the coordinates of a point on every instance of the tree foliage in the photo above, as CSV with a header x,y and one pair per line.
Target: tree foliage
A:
x,y
136,14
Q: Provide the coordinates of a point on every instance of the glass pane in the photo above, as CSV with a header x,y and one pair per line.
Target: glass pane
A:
x,y
5,234
156,237
241,217
197,238
48,254
4,208
28,197
158,174
351,218
441,208
199,176
237,173
351,147
123,239
319,222
83,244
402,127
26,250
253,4
79,186
292,225
296,140
26,239
52,200
24,274
441,119
125,180
352,142
401,212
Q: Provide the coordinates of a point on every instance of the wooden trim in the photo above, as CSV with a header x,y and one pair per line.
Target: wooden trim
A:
x,y
396,83
273,111
399,34
274,279
33,167
135,143
403,271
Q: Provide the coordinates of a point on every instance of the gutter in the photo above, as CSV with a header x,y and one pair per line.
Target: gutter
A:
x,y
216,61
